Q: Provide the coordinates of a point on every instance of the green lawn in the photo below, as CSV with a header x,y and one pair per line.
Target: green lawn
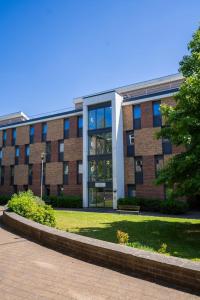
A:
x,y
182,236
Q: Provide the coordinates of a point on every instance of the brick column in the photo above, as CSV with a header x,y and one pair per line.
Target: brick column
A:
x,y
9,137
54,151
73,127
38,132
35,187
147,114
21,154
148,189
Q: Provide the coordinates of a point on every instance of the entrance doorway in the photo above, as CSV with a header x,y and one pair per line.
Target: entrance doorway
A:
x,y
100,197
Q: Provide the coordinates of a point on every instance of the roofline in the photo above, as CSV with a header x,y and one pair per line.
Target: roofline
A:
x,y
13,116
135,86
43,119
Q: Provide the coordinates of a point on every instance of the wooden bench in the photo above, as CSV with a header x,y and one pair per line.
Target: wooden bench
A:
x,y
128,208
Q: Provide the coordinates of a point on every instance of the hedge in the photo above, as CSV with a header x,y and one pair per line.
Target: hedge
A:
x,y
64,201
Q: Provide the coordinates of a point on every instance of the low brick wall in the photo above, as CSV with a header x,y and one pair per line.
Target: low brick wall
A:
x,y
177,272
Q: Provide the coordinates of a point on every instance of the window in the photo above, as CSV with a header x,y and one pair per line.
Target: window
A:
x,y
15,189
60,190
60,150
66,128
157,118
1,155
16,155
79,171
25,188
100,170
167,146
4,137
47,190
65,172
44,132
30,174
138,170
100,117
80,126
131,190
31,134
2,169
136,116
100,143
11,175
158,164
130,143
48,151
14,135
27,153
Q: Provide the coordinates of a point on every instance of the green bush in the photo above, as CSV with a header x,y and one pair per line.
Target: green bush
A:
x,y
31,207
4,199
64,201
174,207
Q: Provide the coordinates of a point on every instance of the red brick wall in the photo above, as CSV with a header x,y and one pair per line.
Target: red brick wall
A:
x,y
147,114
54,151
73,127
38,132
148,189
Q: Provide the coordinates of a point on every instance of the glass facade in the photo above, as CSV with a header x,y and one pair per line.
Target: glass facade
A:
x,y
100,156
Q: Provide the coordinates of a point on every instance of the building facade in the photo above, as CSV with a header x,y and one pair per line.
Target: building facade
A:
x,y
102,150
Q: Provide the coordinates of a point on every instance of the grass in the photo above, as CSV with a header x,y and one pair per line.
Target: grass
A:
x,y
182,236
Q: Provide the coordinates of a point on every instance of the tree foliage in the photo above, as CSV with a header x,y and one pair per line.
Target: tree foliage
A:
x,y
182,172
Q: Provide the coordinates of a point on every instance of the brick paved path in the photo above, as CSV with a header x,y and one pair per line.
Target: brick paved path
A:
x,y
30,271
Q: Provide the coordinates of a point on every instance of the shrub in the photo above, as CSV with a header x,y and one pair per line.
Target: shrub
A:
x,y
122,237
163,248
174,207
64,201
4,199
29,206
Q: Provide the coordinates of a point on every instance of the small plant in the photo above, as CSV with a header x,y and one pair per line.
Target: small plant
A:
x,y
31,207
122,237
163,248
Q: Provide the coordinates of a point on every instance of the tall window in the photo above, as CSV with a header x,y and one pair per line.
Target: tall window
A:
x,y
100,170
158,164
65,172
11,175
130,143
1,155
27,154
60,190
60,150
44,132
138,170
47,190
31,133
14,135
100,143
4,137
79,171
167,146
30,174
99,118
131,190
157,118
80,126
136,116
66,128
48,151
16,155
2,171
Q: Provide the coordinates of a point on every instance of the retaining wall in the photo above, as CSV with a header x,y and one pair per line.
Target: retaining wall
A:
x,y
177,272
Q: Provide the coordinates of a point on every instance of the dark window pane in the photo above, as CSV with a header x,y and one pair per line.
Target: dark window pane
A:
x,y
138,170
156,109
167,146
131,190
92,119
158,163
137,112
108,117
100,118
137,123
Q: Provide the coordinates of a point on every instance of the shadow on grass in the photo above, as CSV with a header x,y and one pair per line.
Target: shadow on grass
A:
x,y
182,238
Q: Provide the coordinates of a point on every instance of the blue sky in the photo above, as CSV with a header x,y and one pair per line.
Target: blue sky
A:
x,y
52,51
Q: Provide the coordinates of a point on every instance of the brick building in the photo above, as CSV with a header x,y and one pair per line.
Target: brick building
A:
x,y
102,150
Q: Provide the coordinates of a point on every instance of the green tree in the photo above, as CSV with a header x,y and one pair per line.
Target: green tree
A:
x,y
182,172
